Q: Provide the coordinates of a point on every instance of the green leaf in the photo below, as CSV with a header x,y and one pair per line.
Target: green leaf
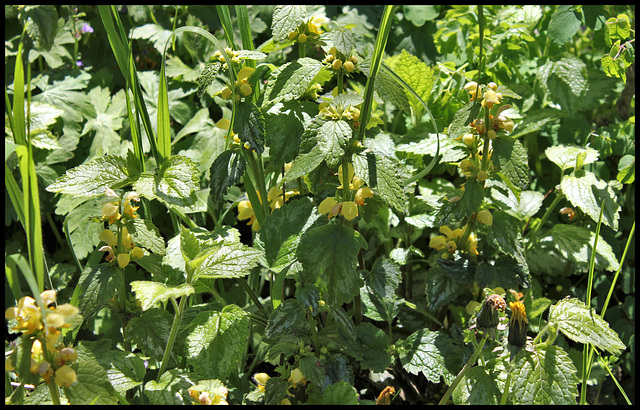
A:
x,y
463,117
522,208
41,24
99,284
384,175
440,288
249,125
329,257
83,232
93,177
387,87
106,122
379,293
575,243
578,323
171,389
150,293
43,116
416,74
340,393
275,390
68,94
371,347
563,25
341,37
477,387
175,184
565,157
311,372
284,126
510,157
124,370
584,190
565,81
304,164
217,341
282,230
155,33
288,320
450,149
545,376
627,169
505,235
433,354
226,171
617,28
332,138
418,15
145,234
286,19
150,332
290,81
92,386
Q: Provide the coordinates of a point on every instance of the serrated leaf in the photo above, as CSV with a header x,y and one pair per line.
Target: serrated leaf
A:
x,y
286,19
92,385
565,157
510,157
284,126
546,376
373,344
145,234
627,169
566,81
175,184
99,284
329,256
433,354
226,261
584,190
226,171
563,25
505,235
440,288
341,37
150,332
339,393
282,230
171,389
291,80
84,233
124,370
41,23
416,74
384,175
332,139
450,149
150,293
311,372
249,125
477,387
217,341
523,208
575,243
379,293
463,117
93,178
304,164
576,322
289,319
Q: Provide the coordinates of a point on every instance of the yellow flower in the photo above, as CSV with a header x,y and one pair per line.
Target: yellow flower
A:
x,y
261,379
349,210
245,211
473,244
65,376
110,211
362,194
385,395
472,87
490,98
297,377
438,242
331,206
27,314
137,252
275,197
128,209
65,355
314,24
245,73
108,237
123,259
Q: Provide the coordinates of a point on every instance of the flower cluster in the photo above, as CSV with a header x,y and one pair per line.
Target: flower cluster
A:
x,y
204,397
235,57
124,250
349,209
296,378
490,97
241,87
338,61
331,112
52,359
276,200
309,31
451,240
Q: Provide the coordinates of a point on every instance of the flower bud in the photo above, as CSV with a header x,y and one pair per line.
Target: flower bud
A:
x,y
488,314
518,324
337,64
491,134
485,217
482,175
348,65
245,89
226,93
302,38
468,138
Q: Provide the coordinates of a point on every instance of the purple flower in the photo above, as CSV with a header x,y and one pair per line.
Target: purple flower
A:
x,y
79,63
86,28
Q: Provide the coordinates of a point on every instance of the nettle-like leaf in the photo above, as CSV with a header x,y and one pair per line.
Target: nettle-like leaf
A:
x,y
249,125
226,171
577,322
575,244
92,385
563,25
99,284
339,393
341,37
286,19
284,126
565,81
545,376
427,144
522,208
217,341
589,193
145,234
440,288
171,389
505,235
43,116
433,354
280,234
175,183
288,320
83,232
510,157
386,86
385,176
150,332
93,177
290,81
566,157
477,387
379,293
41,23
416,74
370,348
329,257
150,293
155,33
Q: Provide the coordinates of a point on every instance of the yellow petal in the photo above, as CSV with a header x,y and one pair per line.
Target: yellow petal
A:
x,y
245,73
123,259
326,205
349,210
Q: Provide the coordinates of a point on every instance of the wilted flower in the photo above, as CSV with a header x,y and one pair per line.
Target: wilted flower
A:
x,y
385,395
488,314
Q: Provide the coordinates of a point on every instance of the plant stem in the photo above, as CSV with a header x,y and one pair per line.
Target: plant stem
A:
x,y
465,369
546,215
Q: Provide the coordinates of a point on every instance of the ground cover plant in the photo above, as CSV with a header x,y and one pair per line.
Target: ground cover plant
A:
x,y
320,204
